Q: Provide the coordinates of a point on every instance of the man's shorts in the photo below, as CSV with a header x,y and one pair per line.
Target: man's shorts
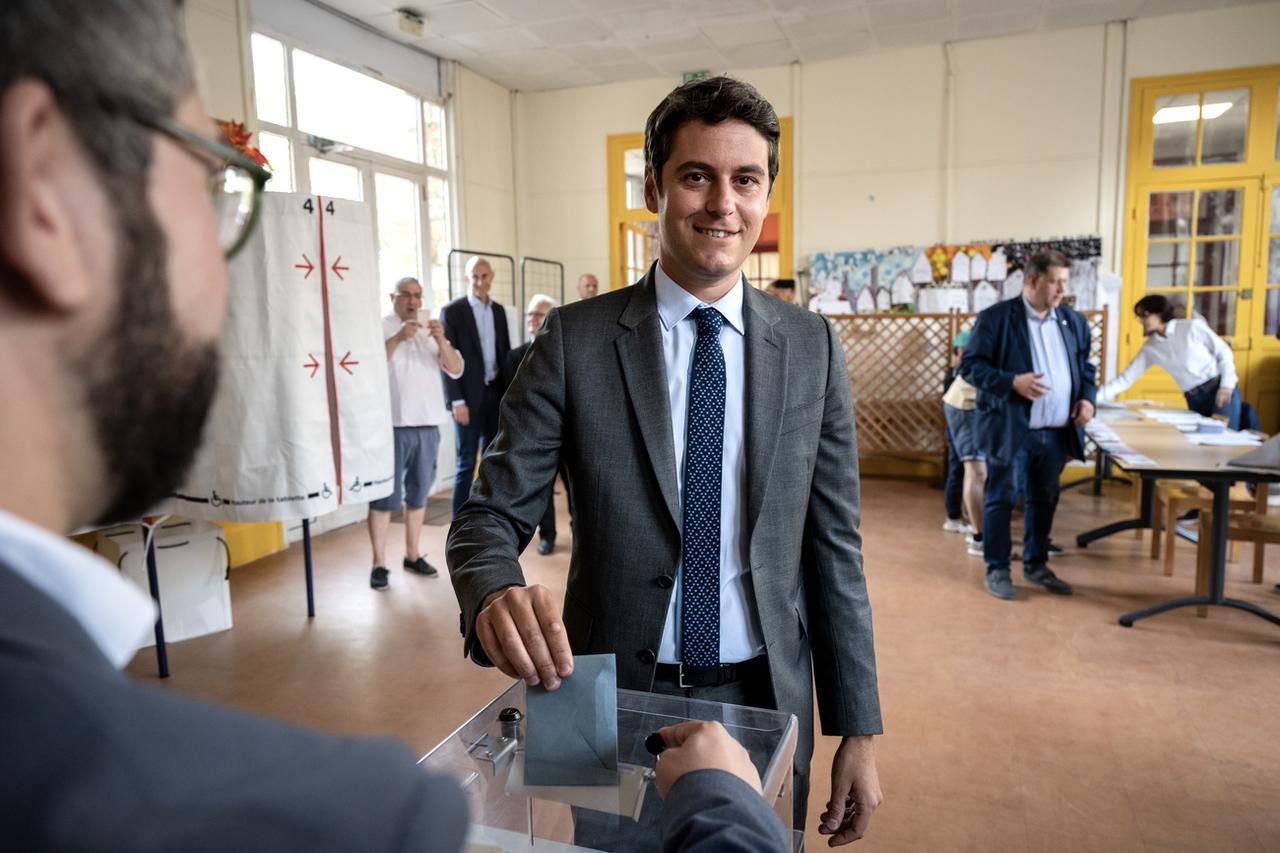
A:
x,y
962,432
415,468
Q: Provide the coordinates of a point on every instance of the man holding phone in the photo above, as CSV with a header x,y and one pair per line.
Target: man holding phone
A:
x,y
1029,359
417,350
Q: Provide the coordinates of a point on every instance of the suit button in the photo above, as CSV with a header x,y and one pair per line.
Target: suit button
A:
x,y
665,581
647,656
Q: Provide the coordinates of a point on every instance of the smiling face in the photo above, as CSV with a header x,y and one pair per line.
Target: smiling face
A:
x,y
480,275
711,205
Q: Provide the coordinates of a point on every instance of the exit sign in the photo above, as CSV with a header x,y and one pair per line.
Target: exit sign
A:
x,y
694,75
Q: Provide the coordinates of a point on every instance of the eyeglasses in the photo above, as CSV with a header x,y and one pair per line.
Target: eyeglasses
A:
x,y
236,182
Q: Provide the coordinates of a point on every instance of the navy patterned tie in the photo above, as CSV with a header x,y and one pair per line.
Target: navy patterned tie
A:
x,y
700,581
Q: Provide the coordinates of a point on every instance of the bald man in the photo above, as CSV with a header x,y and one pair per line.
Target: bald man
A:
x,y
588,286
476,326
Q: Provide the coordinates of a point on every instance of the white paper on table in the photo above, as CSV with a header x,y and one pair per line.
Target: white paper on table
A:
x,y
1224,439
1171,416
960,267
882,300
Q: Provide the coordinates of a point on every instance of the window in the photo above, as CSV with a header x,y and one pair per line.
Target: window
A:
x,y
344,105
330,130
279,153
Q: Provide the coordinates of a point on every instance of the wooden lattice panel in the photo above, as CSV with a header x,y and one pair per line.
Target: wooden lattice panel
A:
x,y
897,363
896,366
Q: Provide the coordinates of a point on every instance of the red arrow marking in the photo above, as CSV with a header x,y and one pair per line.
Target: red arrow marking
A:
x,y
308,266
343,364
314,365
335,269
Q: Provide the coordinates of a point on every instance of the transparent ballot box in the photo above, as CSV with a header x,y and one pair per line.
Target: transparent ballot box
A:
x,y
485,756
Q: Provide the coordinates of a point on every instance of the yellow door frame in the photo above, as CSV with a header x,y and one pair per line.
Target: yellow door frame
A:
x,y
616,146
1257,356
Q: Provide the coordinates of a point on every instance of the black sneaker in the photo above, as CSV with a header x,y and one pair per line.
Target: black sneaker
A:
x,y
1044,576
378,578
998,583
546,546
420,567
1054,549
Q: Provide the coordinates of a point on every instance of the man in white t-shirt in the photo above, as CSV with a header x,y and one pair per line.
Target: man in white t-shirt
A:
x,y
417,351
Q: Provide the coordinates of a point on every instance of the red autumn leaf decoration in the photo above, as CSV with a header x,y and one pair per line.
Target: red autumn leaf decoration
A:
x,y
237,136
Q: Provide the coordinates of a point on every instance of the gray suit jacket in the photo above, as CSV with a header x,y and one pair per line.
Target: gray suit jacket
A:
x,y
592,394
92,761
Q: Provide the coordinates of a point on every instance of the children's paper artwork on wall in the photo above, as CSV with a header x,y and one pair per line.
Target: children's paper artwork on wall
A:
x,y
944,277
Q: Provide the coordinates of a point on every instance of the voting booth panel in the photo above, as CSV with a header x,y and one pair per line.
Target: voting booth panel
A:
x,y
302,421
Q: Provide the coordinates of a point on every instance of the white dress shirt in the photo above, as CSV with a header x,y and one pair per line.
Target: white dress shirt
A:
x,y
1049,357
113,612
741,637
483,312
417,391
1191,351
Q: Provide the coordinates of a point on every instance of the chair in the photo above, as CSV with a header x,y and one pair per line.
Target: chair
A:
x,y
1176,497
1260,529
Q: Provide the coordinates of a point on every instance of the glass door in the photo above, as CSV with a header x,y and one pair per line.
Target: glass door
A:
x,y
1197,244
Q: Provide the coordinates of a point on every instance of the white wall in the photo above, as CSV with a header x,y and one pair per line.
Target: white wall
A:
x,y
486,185
217,39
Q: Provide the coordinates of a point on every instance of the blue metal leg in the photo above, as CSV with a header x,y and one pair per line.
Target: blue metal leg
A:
x,y
306,556
162,654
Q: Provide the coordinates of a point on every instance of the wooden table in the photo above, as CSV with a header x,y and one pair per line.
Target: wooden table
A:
x,y
1175,457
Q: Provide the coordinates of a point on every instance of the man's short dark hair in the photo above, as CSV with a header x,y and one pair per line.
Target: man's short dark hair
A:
x,y
784,283
1157,304
710,100
1039,263
123,53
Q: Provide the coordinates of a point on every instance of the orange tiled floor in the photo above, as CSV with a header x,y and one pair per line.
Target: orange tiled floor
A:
x,y
1035,725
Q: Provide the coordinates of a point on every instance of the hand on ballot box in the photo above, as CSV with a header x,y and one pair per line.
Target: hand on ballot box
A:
x,y
698,745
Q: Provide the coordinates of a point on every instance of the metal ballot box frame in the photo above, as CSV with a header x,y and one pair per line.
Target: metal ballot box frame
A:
x,y
485,756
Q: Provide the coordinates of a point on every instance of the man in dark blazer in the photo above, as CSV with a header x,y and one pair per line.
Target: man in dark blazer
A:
x,y
477,328
738,446
113,291
1029,359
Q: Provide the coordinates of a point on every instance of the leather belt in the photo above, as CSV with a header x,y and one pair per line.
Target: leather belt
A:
x,y
713,676
1205,386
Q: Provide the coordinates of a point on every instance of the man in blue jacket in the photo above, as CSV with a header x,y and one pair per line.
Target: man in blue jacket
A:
x,y
1029,359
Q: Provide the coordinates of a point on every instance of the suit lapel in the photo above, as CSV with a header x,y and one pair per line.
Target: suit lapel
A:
x,y
644,372
766,365
1022,340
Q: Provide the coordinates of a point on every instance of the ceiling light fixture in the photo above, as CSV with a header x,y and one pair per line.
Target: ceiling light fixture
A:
x,y
1191,112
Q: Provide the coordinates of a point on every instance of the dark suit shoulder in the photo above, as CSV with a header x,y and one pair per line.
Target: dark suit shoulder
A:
x,y
135,768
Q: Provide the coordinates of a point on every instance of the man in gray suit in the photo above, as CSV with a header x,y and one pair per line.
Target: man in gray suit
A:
x,y
716,547
112,294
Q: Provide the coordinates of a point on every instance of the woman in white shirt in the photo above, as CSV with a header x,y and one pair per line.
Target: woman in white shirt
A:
x,y
1199,361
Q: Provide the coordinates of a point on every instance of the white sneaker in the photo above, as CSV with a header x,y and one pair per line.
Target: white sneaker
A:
x,y
956,525
975,545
